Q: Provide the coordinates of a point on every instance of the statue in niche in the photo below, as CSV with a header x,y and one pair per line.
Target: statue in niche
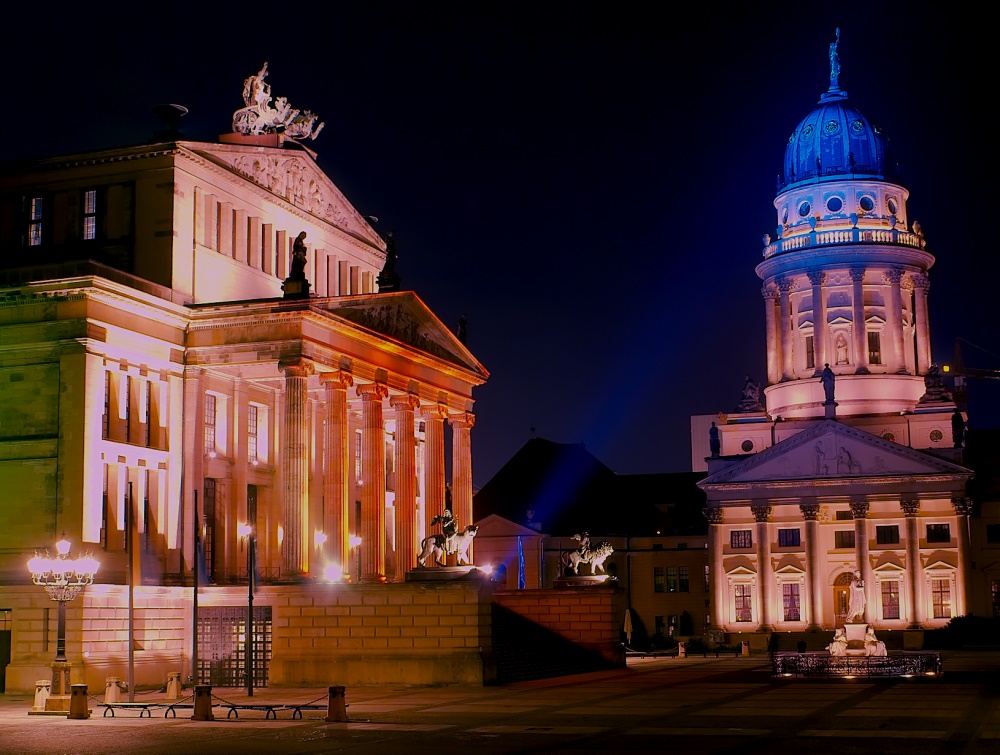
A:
x,y
751,397
840,346
958,428
828,379
839,644
934,387
714,444
856,605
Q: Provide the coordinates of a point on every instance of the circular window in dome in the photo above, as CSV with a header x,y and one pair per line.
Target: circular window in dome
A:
x,y
857,126
834,204
747,446
804,209
807,131
889,437
867,203
831,127
892,206
936,436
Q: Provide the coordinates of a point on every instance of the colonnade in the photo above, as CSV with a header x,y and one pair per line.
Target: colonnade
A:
x,y
813,606
902,290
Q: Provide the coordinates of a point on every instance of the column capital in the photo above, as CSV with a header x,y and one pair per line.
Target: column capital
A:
x,y
906,283
921,280
714,514
893,275
857,274
405,401
435,411
962,506
465,419
372,391
810,511
337,379
296,367
785,285
910,506
816,277
769,291
761,513
859,509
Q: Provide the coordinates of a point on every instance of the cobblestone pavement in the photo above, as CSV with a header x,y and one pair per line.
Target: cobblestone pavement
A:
x,y
688,705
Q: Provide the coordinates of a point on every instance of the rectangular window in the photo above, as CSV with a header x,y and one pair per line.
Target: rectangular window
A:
x,y
993,533
843,539
672,622
708,579
741,539
788,538
671,579
744,609
844,516
887,535
252,434
683,579
659,624
357,455
938,533
658,579
890,600
128,408
106,424
210,407
810,353
35,221
146,513
996,598
149,413
941,598
874,347
790,601
89,214
208,544
105,511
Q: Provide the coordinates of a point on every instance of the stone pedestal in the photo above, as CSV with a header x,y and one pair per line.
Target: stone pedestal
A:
x,y
855,638
444,573
584,580
295,288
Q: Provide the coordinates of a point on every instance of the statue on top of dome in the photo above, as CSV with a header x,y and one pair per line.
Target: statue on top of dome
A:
x,y
835,63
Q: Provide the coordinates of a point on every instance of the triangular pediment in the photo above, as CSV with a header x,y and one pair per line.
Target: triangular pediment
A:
x,y
832,450
293,176
403,316
495,525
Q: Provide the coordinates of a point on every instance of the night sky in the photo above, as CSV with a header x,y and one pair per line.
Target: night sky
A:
x,y
588,183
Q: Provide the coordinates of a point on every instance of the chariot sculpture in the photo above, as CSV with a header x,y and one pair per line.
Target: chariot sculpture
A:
x,y
259,116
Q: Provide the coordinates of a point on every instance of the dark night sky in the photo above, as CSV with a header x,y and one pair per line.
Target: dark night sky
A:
x,y
588,183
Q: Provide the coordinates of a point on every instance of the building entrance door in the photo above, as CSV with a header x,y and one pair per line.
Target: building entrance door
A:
x,y
841,599
5,629
222,645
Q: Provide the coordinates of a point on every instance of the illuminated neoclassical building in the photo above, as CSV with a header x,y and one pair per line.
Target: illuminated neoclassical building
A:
x,y
152,346
855,466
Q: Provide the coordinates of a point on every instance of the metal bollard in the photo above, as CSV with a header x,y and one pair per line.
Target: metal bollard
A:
x,y
112,692
174,685
78,709
43,688
336,710
681,650
202,703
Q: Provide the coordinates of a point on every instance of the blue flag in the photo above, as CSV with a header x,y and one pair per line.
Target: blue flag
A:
x,y
520,564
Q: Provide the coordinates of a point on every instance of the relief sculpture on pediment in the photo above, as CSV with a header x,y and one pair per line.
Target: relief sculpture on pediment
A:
x,y
396,322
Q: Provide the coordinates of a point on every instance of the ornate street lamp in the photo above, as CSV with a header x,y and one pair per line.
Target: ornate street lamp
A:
x,y
246,532
63,578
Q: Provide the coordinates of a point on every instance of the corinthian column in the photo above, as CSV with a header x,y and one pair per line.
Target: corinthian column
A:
x,y
461,468
762,513
859,510
785,288
717,581
921,285
336,482
858,326
963,508
434,465
406,484
770,294
295,468
894,314
372,482
810,512
914,608
817,278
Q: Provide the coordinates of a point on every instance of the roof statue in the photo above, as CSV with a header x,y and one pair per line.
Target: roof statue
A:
x,y
750,402
259,116
835,64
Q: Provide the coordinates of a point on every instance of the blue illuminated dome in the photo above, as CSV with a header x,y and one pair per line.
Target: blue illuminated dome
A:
x,y
833,142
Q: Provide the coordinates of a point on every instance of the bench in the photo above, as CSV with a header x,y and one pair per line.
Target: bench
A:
x,y
172,709
143,708
297,709
270,709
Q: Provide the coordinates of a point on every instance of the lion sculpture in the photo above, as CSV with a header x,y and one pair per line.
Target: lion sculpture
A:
x,y
439,546
595,557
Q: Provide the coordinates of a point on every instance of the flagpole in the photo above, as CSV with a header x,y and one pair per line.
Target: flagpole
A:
x,y
194,613
130,548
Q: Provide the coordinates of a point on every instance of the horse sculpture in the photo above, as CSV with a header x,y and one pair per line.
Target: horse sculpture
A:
x,y
439,546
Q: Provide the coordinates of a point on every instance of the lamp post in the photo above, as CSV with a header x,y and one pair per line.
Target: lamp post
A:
x,y
355,542
246,532
63,578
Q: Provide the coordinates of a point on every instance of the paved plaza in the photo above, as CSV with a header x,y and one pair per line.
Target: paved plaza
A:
x,y
655,705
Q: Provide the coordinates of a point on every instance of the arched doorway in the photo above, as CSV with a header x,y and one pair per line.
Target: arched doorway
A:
x,y
841,598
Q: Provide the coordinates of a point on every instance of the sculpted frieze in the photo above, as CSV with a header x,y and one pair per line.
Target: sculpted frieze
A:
x,y
396,322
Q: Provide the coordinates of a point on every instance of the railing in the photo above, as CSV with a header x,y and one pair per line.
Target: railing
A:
x,y
844,236
846,666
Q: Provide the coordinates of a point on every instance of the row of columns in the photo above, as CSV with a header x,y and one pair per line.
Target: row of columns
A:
x,y
781,327
337,480
813,603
